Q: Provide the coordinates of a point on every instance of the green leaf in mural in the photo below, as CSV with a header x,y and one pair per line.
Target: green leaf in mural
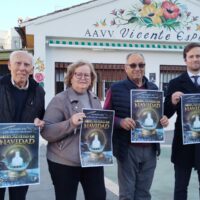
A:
x,y
172,26
133,20
149,25
41,84
170,21
147,20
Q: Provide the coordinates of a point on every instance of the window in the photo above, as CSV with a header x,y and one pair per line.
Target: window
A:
x,y
168,72
106,75
106,86
60,72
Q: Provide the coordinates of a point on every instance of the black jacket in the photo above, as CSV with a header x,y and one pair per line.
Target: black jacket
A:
x,y
34,106
183,155
121,104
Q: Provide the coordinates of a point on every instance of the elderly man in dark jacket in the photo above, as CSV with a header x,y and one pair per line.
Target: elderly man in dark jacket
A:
x,y
136,162
21,101
184,157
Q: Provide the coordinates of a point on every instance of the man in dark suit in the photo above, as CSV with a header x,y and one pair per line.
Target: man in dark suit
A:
x,y
184,157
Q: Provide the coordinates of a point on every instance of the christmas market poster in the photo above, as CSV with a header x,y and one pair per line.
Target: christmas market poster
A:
x,y
146,111
19,153
190,113
96,138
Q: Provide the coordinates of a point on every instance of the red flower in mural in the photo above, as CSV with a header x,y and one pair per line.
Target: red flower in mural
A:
x,y
39,77
168,14
171,10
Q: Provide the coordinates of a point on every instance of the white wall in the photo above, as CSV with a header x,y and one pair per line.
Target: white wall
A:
x,y
153,61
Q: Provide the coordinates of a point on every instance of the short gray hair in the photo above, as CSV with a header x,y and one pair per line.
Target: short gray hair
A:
x,y
134,53
14,53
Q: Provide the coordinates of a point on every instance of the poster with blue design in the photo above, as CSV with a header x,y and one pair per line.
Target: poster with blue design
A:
x,y
96,138
19,153
190,113
146,111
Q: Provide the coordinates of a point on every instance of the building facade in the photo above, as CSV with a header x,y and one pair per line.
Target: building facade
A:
x,y
103,32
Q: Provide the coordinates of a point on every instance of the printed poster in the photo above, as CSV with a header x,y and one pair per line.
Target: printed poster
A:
x,y
190,113
147,110
96,138
19,163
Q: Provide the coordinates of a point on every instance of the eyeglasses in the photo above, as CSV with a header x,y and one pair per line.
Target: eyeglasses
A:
x,y
79,75
134,65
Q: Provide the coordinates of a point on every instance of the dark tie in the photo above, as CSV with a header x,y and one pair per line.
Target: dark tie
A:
x,y
195,78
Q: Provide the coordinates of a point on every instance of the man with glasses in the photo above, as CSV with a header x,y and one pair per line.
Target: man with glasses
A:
x,y
136,162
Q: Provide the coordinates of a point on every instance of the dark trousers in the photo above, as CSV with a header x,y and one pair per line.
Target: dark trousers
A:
x,y
15,193
135,173
182,179
66,179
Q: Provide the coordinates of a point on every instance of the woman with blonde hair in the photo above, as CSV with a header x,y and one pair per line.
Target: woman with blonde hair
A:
x,y
63,118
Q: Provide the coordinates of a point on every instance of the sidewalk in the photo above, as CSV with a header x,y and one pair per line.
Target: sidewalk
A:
x,y
162,187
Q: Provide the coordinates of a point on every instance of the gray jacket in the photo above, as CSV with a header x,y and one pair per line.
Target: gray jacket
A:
x,y
61,134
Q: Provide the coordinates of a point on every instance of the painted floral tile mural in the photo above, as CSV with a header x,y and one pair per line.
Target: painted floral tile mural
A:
x,y
39,71
168,14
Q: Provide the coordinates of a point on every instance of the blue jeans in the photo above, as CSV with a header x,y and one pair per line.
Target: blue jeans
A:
x,y
66,179
182,179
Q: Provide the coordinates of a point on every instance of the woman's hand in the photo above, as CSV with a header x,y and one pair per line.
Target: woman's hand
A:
x,y
39,123
77,118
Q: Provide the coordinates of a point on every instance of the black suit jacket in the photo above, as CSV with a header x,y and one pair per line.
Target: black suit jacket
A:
x,y
183,155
